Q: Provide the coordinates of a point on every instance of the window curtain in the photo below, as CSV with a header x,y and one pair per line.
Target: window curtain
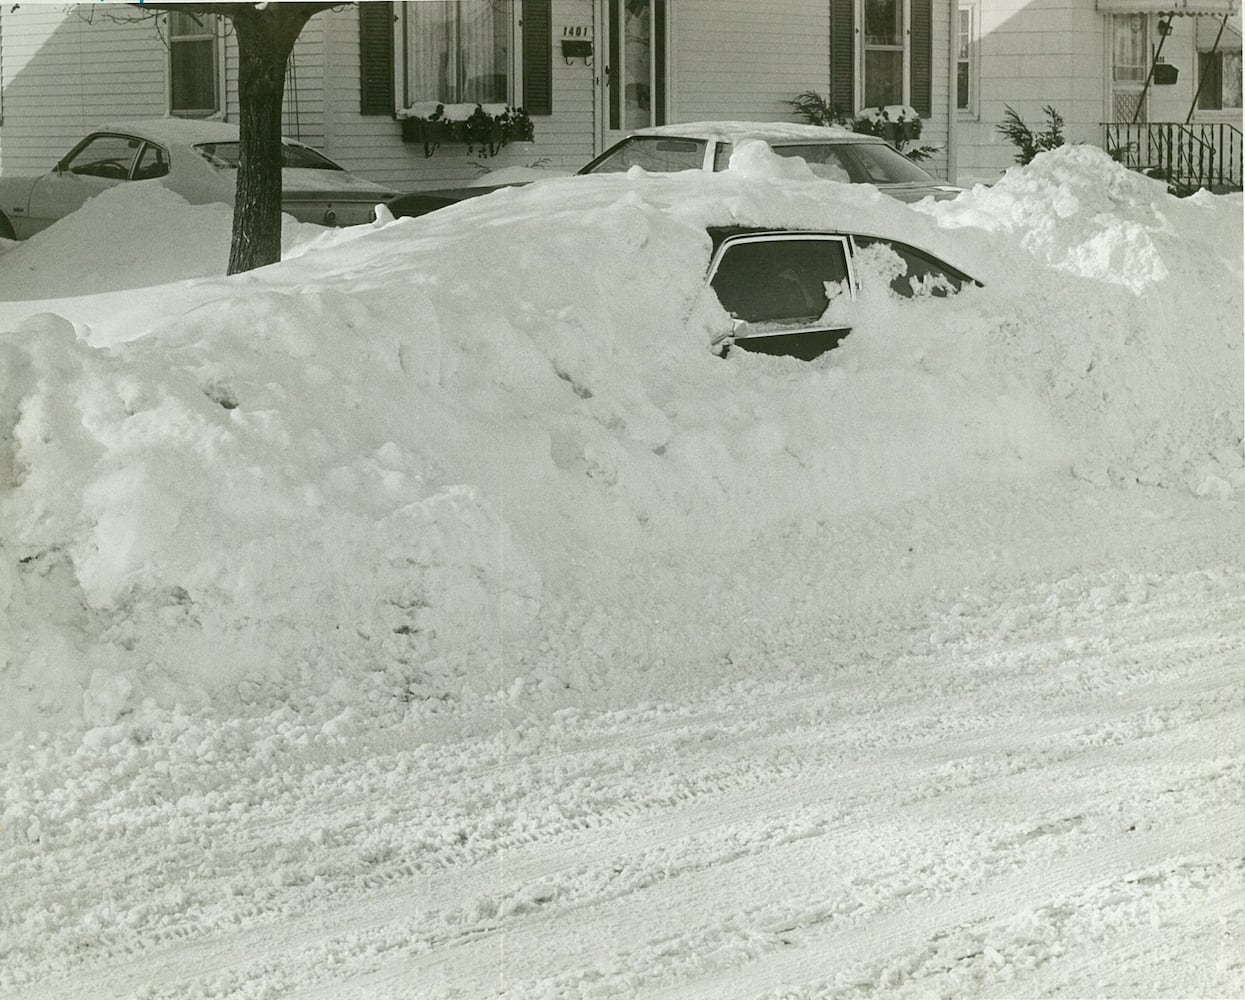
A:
x,y
458,52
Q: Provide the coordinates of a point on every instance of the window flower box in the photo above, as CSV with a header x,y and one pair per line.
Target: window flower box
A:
x,y
483,129
897,124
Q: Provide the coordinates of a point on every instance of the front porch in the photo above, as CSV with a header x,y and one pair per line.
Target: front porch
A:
x,y
1188,156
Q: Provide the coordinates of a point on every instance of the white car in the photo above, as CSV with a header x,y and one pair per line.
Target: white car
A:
x,y
196,159
832,153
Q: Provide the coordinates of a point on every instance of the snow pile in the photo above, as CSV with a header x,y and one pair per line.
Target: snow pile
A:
x,y
133,236
1079,210
1152,378
449,458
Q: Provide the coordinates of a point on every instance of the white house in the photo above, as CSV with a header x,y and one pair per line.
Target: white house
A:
x,y
586,70
1155,80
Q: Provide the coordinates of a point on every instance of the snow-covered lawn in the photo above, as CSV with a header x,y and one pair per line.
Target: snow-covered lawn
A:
x,y
433,615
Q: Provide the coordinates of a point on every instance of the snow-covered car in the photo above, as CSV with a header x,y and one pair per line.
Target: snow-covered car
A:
x,y
832,153
778,285
196,159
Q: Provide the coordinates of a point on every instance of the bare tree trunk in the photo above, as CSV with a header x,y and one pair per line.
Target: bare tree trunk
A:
x,y
264,46
266,35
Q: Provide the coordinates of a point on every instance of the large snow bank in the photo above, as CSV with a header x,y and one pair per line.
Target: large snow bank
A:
x,y
132,236
395,468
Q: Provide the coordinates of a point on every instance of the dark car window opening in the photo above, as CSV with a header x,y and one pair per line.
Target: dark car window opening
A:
x,y
108,156
152,162
942,278
779,280
224,156
654,153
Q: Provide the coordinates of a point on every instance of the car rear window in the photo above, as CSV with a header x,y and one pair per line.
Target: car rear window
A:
x,y
224,156
779,280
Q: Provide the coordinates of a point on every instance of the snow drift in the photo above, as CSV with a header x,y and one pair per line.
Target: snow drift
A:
x,y
391,469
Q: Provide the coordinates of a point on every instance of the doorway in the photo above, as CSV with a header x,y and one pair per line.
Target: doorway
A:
x,y
631,87
1130,59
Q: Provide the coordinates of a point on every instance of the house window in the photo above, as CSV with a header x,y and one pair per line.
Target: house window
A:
x,y
194,65
966,52
459,52
1220,77
884,59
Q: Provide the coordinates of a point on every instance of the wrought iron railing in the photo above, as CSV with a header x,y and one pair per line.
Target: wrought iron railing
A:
x,y
1186,156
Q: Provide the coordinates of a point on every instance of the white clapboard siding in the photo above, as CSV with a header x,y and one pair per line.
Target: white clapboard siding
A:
x,y
934,130
64,71
302,112
737,59
1034,56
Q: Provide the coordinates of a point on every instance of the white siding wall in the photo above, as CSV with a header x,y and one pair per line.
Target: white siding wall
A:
x,y
1034,53
66,71
934,131
302,114
737,59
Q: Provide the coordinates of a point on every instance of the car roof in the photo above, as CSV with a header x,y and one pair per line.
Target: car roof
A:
x,y
180,131
771,132
174,131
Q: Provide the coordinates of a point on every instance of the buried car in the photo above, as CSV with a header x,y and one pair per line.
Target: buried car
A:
x,y
197,160
778,285
831,153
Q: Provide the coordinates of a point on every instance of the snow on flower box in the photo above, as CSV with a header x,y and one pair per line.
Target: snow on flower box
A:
x,y
483,128
896,123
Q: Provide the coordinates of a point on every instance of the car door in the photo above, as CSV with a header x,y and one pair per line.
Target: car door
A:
x,y
99,162
778,287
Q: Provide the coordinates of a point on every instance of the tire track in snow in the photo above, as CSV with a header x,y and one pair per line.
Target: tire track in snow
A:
x,y
737,793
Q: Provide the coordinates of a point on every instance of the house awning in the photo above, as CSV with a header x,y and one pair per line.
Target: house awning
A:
x,y
1179,8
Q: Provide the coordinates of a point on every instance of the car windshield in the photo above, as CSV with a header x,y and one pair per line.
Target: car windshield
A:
x,y
224,156
850,162
655,153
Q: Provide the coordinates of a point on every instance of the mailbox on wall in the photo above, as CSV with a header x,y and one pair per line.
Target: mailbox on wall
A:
x,y
577,43
1165,73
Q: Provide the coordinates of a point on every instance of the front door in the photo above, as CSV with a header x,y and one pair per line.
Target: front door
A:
x,y
631,86
1130,62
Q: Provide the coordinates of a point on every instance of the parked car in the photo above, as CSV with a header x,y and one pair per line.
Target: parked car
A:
x,y
196,159
832,153
776,284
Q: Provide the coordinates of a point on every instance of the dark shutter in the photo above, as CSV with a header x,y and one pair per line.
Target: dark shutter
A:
x,y
843,56
614,65
659,61
920,54
376,58
537,57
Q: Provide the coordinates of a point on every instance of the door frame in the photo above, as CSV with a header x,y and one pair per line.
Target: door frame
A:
x,y
610,44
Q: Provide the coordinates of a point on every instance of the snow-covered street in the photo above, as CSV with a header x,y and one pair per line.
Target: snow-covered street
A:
x,y
1031,788
364,636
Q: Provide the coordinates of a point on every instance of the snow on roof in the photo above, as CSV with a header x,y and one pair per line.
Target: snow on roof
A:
x,y
175,131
